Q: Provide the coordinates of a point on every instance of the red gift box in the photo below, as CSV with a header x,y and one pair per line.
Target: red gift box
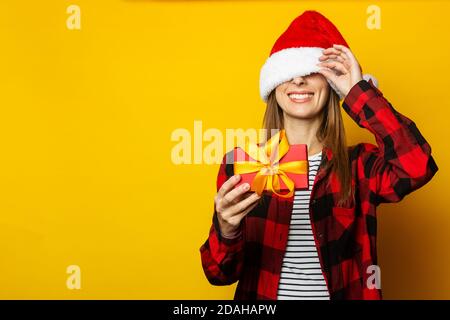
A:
x,y
296,152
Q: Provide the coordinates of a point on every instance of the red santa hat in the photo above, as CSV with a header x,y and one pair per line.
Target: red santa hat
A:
x,y
296,52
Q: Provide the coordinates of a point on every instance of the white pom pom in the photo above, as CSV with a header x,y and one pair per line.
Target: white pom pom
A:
x,y
368,77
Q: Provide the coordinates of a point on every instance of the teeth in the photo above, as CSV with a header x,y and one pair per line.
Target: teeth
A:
x,y
300,96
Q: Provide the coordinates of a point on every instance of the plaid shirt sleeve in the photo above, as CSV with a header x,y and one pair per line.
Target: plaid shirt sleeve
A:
x,y
222,258
402,161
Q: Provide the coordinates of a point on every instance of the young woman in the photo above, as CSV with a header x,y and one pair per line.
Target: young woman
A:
x,y
319,243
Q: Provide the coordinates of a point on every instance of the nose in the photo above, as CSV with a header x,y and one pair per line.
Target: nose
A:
x,y
298,80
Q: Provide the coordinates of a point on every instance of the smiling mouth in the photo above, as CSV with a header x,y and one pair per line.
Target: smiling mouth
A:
x,y
300,98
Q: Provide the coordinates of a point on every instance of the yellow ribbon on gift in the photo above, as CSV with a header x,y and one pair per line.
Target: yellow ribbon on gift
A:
x,y
268,167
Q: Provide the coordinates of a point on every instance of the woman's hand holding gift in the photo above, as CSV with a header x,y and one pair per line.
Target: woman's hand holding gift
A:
x,y
232,204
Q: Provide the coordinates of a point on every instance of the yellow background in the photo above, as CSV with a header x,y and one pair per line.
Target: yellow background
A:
x,y
86,176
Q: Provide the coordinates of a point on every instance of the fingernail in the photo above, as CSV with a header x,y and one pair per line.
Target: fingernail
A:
x,y
236,176
246,186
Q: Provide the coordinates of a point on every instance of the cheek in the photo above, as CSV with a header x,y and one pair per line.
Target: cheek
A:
x,y
282,99
319,103
323,96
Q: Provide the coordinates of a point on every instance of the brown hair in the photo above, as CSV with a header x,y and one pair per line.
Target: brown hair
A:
x,y
331,133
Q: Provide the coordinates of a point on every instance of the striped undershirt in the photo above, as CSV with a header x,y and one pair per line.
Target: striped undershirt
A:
x,y
301,276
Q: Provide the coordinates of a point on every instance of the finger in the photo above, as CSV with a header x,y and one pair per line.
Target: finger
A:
x,y
332,57
336,51
335,65
242,196
353,63
233,195
245,195
244,213
244,204
332,50
327,74
228,185
346,51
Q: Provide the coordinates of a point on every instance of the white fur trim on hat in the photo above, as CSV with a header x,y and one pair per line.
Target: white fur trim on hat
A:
x,y
286,64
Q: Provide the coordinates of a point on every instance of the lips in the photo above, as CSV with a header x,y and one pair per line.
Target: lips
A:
x,y
300,92
300,96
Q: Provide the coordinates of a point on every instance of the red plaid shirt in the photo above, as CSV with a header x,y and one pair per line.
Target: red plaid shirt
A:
x,y
345,236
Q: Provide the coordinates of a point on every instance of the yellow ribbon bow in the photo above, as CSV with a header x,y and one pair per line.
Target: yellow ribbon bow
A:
x,y
268,165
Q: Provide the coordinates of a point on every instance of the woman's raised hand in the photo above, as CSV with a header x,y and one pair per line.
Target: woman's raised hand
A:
x,y
343,69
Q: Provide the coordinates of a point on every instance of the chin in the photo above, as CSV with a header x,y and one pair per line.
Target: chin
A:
x,y
302,115
302,109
